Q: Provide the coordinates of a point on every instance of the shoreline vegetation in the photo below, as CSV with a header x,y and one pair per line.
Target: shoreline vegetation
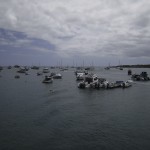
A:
x,y
133,66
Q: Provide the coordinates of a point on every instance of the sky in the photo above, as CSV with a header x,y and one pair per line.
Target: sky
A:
x,y
74,32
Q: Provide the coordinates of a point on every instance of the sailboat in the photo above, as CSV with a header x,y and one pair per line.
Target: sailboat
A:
x,y
120,66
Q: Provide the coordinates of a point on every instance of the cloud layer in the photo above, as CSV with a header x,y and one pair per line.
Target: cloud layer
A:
x,y
102,28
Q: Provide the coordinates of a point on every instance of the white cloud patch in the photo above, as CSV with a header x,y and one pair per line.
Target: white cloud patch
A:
x,y
86,27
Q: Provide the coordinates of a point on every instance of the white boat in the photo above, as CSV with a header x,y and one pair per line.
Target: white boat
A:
x,y
80,76
45,70
22,70
111,85
102,83
57,76
126,84
48,79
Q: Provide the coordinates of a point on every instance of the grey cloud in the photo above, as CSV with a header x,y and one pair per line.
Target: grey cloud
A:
x,y
138,52
107,27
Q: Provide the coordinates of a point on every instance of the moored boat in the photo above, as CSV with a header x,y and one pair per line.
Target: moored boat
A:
x,y
126,84
140,77
57,76
90,81
22,70
80,76
48,79
45,70
35,67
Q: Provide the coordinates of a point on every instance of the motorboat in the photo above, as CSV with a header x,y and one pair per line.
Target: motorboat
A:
x,y
57,76
145,76
45,70
136,77
140,77
90,81
126,84
63,69
81,71
118,83
48,79
80,76
22,70
35,67
111,85
102,82
52,74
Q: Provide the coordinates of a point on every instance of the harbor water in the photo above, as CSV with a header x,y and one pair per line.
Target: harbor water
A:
x,y
60,116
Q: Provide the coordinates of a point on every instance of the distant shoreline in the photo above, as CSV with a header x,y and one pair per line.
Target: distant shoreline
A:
x,y
132,66
118,66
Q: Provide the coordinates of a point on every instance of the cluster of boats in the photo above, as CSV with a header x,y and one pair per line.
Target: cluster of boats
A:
x,y
47,79
23,70
86,79
140,77
80,75
93,81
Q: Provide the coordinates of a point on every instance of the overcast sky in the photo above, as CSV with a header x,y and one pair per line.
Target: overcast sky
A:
x,y
48,32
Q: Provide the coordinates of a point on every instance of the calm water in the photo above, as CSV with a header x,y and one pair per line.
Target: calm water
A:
x,y
36,116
